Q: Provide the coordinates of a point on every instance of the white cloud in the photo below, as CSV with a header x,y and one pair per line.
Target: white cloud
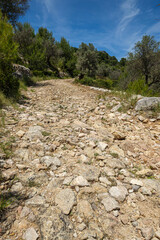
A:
x,y
129,12
154,29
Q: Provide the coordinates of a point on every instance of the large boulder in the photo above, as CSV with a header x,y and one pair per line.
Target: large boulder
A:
x,y
21,71
147,103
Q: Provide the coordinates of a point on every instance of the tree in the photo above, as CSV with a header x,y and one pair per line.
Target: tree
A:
x,y
13,9
8,54
122,62
48,43
24,36
144,59
87,60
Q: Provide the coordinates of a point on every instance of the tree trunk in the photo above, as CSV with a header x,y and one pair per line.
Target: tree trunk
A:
x,y
146,79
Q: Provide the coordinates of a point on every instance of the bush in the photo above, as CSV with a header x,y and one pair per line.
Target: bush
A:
x,y
100,83
139,87
9,85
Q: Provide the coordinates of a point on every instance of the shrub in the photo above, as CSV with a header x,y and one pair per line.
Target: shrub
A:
x,y
139,87
8,53
100,83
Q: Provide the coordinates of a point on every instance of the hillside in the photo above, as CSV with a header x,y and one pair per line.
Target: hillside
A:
x,y
75,168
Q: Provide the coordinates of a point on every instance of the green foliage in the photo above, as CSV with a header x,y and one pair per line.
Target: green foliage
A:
x,y
100,83
13,9
24,36
122,62
87,60
6,147
8,53
4,203
145,60
139,87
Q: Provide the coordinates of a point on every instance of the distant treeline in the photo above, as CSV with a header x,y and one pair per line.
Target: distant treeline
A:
x,y
46,57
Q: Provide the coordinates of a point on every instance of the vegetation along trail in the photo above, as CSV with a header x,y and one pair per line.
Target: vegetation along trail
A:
x,y
77,168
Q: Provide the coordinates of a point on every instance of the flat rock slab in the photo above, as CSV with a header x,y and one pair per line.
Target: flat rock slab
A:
x,y
36,201
65,200
34,133
54,224
80,181
115,163
49,161
116,150
85,209
30,234
90,173
119,193
110,204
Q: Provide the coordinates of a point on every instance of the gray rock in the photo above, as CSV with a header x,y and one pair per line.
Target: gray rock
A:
x,y
25,211
34,133
136,182
49,161
21,71
115,163
116,108
152,184
147,103
65,200
17,187
116,150
102,146
157,234
90,173
36,201
84,208
8,174
110,204
80,181
30,234
54,225
147,233
104,180
119,193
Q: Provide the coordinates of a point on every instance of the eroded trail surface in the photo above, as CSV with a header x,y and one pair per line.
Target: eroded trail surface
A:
x,y
79,169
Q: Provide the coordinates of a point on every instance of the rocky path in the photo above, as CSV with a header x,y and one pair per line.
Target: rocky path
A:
x,y
79,170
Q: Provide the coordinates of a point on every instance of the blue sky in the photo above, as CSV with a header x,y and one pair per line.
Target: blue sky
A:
x,y
111,25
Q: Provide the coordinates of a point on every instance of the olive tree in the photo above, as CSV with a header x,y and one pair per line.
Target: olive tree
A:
x,y
145,59
87,60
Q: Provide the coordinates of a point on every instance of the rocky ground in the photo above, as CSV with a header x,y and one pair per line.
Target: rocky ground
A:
x,y
73,167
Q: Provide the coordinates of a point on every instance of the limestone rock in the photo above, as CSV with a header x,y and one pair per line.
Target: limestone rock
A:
x,y
147,233
20,133
17,187
110,204
36,201
118,192
147,103
144,172
34,133
90,173
80,181
30,234
49,161
136,182
65,200
116,150
85,209
119,136
102,145
157,234
8,174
